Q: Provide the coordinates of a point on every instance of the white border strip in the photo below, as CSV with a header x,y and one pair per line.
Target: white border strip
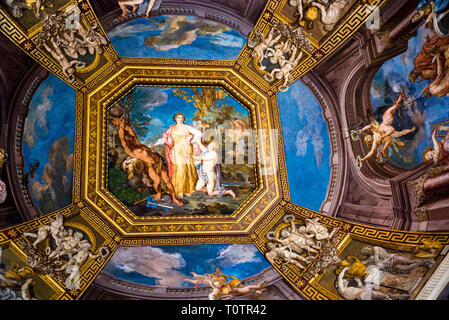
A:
x,y
437,282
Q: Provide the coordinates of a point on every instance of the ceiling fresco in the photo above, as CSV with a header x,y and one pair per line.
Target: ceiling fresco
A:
x,y
172,266
423,112
189,151
306,145
48,145
177,37
216,180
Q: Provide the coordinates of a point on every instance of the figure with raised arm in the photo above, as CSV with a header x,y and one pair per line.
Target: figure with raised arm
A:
x,y
384,132
154,163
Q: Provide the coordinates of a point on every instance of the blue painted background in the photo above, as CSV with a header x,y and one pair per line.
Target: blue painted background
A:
x,y
306,144
391,78
168,265
161,104
176,37
51,122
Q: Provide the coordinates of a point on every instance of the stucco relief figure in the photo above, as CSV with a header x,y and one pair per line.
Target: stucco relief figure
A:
x,y
392,262
286,254
68,67
79,257
383,133
300,6
54,229
381,275
155,165
428,249
68,45
300,245
277,53
181,143
331,15
16,7
317,230
261,44
68,251
297,238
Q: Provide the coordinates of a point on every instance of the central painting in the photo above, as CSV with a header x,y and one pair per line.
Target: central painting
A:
x,y
180,151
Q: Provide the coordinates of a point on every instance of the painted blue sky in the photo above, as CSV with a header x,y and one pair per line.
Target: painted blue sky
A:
x,y
176,37
168,265
306,143
51,116
391,78
161,104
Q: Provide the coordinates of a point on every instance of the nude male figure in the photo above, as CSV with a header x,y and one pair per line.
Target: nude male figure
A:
x,y
383,133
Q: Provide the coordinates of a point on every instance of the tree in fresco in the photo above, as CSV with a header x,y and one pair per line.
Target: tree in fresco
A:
x,y
213,111
211,107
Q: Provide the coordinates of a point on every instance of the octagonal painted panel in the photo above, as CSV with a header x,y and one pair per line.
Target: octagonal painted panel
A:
x,y
135,110
202,165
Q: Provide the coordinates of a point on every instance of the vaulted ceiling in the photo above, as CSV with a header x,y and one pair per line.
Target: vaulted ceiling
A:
x,y
290,91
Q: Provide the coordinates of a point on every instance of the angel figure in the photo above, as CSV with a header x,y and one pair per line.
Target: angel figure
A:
x,y
384,133
277,55
392,262
435,14
317,230
296,238
440,151
222,286
54,229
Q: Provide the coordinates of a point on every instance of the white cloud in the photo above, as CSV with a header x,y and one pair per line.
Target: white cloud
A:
x,y
38,117
227,40
237,254
315,126
151,262
126,31
156,122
